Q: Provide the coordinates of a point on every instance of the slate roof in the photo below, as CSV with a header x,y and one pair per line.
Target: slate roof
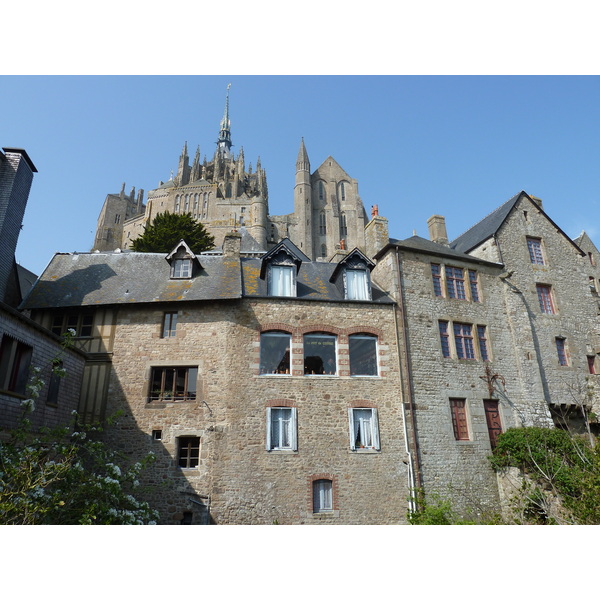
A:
x,y
425,246
110,278
130,277
486,228
312,282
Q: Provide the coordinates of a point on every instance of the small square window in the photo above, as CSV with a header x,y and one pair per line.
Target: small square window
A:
x,y
322,496
157,434
188,450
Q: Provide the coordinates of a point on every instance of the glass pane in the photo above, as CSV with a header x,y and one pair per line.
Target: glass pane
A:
x,y
319,354
356,282
281,280
363,355
275,353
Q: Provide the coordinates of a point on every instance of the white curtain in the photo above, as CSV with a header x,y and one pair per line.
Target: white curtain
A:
x,y
356,285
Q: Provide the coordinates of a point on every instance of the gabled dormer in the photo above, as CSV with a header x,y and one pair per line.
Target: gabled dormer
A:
x,y
353,273
280,267
184,263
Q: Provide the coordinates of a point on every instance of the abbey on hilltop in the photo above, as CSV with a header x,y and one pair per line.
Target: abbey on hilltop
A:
x,y
223,194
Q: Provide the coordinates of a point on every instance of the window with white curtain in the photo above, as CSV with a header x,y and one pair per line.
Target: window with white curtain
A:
x,y
356,284
322,495
282,280
364,428
281,428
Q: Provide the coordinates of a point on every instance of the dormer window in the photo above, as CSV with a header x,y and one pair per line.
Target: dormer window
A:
x,y
280,267
182,259
181,268
353,272
356,284
282,280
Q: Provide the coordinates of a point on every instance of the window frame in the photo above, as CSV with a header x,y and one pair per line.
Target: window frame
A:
x,y
317,334
536,253
445,338
292,426
474,285
181,268
15,361
436,276
363,336
164,395
353,415
482,340
81,322
186,453
169,328
361,290
463,340
460,419
545,298
288,285
263,359
322,496
455,282
562,351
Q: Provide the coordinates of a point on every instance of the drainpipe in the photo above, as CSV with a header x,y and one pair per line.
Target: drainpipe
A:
x,y
414,475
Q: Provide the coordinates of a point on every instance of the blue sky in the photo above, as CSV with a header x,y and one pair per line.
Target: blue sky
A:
x,y
418,145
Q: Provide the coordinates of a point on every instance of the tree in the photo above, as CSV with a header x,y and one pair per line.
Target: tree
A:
x,y
167,229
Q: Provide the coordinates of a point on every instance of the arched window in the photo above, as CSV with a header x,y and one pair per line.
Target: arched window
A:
x,y
342,191
321,191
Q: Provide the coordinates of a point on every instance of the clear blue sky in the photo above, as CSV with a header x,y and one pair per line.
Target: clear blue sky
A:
x,y
418,145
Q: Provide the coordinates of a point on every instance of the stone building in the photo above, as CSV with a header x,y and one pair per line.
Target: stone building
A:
x,y
310,369
24,344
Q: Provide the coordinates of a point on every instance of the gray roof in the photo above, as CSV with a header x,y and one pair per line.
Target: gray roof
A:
x,y
312,282
109,278
130,277
425,246
486,228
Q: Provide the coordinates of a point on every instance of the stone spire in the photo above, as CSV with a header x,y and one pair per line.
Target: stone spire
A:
x,y
302,162
224,141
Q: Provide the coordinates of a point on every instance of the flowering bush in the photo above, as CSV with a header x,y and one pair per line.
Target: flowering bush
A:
x,y
66,476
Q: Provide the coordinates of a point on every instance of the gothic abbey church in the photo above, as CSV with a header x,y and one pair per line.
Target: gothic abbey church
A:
x,y
223,195
309,369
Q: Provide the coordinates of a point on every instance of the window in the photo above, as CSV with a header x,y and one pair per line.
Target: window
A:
x,y
15,358
592,259
437,279
282,280
474,285
275,353
544,293
281,429
561,349
455,283
80,323
343,226
322,224
356,284
463,340
188,451
364,428
342,192
363,355
54,383
535,251
482,339
322,495
157,434
591,361
444,339
323,251
173,384
182,268
492,417
169,324
321,191
320,354
593,287
458,410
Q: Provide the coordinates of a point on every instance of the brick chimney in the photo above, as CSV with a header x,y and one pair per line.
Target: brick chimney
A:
x,y
437,229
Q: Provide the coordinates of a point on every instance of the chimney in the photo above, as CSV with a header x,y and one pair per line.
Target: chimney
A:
x,y
232,244
538,201
437,229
